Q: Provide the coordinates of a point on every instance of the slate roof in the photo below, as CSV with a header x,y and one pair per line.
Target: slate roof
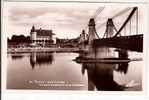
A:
x,y
41,32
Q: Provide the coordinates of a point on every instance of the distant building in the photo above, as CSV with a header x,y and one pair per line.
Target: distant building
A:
x,y
41,36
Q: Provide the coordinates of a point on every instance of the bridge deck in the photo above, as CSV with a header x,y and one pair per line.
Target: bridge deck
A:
x,y
133,42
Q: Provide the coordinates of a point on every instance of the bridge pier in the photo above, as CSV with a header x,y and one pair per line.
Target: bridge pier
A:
x,y
91,32
109,28
86,41
82,40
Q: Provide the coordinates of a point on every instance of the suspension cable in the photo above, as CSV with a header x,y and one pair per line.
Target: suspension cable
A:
x,y
121,12
125,31
97,34
104,34
130,27
137,22
99,10
127,20
114,28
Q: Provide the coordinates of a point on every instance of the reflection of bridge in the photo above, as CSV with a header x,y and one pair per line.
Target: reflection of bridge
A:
x,y
126,37
101,77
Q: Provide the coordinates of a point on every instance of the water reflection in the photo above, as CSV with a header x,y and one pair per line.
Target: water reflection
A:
x,y
122,67
100,75
15,57
40,59
123,54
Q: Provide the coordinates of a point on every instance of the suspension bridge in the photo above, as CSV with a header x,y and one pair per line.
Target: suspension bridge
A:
x,y
125,37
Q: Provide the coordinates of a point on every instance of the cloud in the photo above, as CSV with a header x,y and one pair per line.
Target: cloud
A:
x,y
46,14
50,16
62,18
30,12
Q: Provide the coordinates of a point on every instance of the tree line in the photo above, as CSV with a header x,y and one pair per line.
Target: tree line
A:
x,y
19,39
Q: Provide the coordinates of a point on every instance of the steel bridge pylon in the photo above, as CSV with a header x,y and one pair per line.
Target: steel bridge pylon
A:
x,y
110,28
91,32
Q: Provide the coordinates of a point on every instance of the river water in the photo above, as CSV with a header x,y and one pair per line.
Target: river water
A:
x,y
59,71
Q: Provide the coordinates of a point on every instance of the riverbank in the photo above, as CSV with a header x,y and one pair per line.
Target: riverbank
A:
x,y
28,50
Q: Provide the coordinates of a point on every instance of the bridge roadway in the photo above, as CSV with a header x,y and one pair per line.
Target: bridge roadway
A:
x,y
133,42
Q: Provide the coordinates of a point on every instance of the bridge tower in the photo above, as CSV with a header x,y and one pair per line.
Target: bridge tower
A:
x,y
82,40
91,32
109,28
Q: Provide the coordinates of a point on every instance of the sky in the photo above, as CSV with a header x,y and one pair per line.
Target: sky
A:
x,y
67,20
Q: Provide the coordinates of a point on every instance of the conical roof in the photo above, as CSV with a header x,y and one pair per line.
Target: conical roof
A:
x,y
33,29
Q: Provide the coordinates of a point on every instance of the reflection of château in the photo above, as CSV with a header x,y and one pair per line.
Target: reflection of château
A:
x,y
41,36
40,58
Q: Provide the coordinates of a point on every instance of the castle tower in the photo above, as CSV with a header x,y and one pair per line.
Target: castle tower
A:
x,y
33,34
